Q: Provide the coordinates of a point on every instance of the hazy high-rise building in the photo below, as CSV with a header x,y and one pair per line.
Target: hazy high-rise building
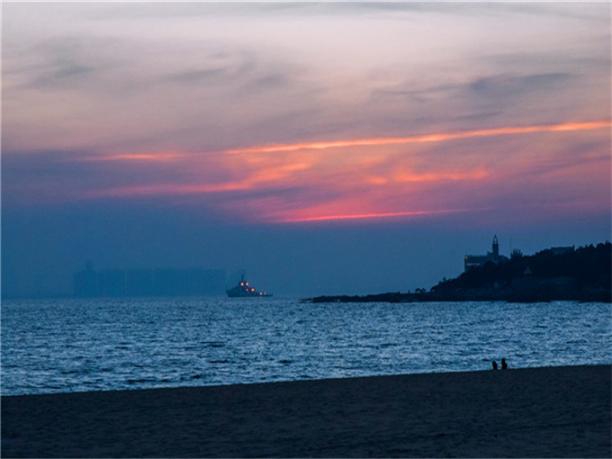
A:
x,y
148,282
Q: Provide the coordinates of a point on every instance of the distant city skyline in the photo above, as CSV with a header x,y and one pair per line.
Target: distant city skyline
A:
x,y
118,282
324,148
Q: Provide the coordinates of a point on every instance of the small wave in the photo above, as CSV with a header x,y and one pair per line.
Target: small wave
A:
x,y
75,371
140,380
219,361
213,343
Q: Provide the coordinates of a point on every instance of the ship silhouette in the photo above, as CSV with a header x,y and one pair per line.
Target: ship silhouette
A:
x,y
244,290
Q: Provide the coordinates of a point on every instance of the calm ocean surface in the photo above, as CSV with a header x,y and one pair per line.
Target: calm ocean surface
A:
x,y
83,345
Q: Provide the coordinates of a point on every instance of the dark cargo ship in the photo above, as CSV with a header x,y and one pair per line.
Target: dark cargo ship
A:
x,y
244,290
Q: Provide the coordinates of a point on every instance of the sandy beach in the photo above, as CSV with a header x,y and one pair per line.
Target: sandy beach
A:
x,y
540,412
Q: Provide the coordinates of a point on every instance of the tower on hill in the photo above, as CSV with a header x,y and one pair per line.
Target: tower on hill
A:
x,y
473,261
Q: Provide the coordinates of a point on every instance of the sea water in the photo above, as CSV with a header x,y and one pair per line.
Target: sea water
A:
x,y
66,345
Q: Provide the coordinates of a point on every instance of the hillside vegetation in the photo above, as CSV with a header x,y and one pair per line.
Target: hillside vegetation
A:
x,y
585,272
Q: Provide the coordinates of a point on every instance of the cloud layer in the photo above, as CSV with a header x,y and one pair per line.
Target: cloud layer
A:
x,y
307,113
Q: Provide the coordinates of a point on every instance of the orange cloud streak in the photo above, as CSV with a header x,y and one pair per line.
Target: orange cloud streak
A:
x,y
426,138
371,215
256,178
154,156
406,177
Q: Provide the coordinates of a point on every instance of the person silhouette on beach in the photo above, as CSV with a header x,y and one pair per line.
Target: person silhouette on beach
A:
x,y
504,364
494,365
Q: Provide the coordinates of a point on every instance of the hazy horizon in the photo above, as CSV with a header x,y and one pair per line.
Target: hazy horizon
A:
x,y
323,148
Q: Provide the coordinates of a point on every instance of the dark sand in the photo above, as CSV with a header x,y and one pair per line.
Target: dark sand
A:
x,y
543,412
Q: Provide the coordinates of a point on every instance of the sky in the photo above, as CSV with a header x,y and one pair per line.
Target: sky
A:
x,y
323,148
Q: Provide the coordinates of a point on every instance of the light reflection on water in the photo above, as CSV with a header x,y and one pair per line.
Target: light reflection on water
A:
x,y
77,345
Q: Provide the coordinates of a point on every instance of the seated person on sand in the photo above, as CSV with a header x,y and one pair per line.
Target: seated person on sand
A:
x,y
504,364
494,365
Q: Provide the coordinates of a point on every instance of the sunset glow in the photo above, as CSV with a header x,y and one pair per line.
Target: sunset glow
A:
x,y
378,172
